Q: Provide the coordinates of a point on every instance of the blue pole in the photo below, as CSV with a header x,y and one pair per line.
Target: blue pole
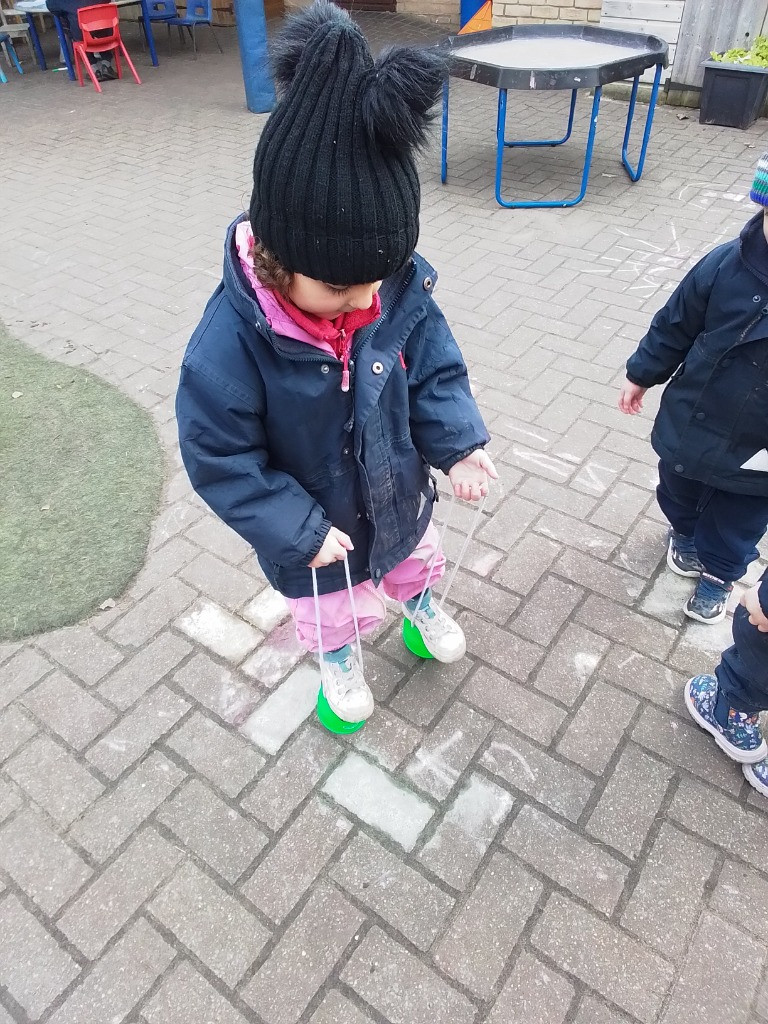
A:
x,y
254,57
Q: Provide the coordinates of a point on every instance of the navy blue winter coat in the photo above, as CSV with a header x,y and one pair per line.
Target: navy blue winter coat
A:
x,y
281,453
711,338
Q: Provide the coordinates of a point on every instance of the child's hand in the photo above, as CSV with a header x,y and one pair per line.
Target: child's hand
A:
x,y
334,549
631,398
751,602
470,476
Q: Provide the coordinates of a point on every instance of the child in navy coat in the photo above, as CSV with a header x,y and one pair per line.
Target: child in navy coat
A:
x,y
323,381
710,342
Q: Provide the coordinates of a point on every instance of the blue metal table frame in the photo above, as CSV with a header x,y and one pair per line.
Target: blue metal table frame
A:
x,y
503,143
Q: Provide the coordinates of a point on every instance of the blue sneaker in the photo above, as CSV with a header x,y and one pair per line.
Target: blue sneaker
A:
x,y
757,776
741,739
681,555
709,601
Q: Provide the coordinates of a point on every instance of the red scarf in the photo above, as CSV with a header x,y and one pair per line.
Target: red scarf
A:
x,y
338,332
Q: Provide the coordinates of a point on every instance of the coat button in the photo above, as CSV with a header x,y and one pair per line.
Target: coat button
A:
x,y
679,468
378,368
427,284
377,574
700,416
325,368
345,451
755,298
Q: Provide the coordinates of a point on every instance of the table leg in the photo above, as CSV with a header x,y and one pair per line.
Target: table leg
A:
x,y
635,172
550,142
540,203
149,33
36,42
64,44
444,142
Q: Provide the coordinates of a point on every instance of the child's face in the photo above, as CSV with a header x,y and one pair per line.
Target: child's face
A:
x,y
765,224
328,300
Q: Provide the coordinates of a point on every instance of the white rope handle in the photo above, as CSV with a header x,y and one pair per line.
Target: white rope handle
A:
x,y
317,616
350,591
464,547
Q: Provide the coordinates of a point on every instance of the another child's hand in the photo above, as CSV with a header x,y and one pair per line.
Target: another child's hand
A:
x,y
470,476
334,549
631,398
751,602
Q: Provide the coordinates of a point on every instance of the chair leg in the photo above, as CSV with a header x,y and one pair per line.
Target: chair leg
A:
x,y
181,36
143,34
216,39
169,39
12,52
78,69
194,41
129,62
118,65
89,69
3,79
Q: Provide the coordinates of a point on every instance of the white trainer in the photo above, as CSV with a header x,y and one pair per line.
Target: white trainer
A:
x,y
443,638
345,689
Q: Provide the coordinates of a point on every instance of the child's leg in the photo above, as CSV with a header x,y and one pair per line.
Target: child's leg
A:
x,y
407,579
336,619
728,531
679,500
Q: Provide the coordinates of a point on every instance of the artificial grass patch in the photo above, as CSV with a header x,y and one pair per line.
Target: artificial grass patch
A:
x,y
81,472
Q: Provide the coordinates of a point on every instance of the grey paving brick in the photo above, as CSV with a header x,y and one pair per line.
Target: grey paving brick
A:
x,y
570,664
621,508
15,729
154,716
112,819
557,497
393,890
116,894
387,738
372,795
68,710
305,956
531,558
630,802
720,978
577,534
513,704
211,923
33,967
40,862
220,581
625,626
482,597
10,800
688,747
557,785
209,624
276,719
291,867
468,828
217,688
275,656
533,993
429,689
546,610
646,678
447,750
382,674
301,765
82,652
186,996
22,671
741,896
54,779
119,980
335,1009
484,932
597,727
144,670
598,577
151,613
216,832
762,1000
401,987
500,648
568,858
217,753
213,535
605,958
667,900
643,549
592,1011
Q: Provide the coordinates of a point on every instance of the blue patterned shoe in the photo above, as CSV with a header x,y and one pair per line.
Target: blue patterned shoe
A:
x,y
741,739
681,556
757,776
709,601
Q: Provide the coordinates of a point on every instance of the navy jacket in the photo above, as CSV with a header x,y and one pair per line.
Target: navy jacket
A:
x,y
281,453
711,339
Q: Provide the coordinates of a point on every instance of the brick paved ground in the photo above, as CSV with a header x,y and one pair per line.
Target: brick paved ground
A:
x,y
538,834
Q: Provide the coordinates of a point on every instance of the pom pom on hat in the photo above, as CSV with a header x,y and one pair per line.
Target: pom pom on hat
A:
x,y
759,192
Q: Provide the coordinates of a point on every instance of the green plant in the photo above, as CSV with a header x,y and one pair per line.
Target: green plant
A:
x,y
757,56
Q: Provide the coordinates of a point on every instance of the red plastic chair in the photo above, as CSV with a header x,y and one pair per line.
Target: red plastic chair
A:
x,y
104,19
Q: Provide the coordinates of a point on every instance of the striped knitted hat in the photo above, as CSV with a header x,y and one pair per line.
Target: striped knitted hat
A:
x,y
759,193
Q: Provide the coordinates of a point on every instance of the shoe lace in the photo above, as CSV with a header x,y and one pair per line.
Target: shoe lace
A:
x,y
347,675
711,591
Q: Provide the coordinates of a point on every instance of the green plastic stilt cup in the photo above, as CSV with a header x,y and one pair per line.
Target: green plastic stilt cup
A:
x,y
413,641
331,721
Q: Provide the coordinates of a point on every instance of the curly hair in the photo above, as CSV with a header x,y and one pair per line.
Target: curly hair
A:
x,y
269,270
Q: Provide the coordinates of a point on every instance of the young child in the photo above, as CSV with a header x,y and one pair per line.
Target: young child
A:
x,y
710,342
323,381
727,704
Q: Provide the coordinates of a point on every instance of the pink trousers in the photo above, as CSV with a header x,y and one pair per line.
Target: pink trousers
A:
x,y
336,621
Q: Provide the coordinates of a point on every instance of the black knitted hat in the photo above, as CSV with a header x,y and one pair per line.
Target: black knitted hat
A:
x,y
335,191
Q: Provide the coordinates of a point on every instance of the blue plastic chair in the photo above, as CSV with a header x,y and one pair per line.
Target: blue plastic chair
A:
x,y
159,10
199,12
5,41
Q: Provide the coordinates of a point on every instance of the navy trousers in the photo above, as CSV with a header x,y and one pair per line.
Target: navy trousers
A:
x,y
742,674
726,527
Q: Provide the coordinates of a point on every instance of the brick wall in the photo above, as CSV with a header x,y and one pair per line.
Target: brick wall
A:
x,y
512,12
440,12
